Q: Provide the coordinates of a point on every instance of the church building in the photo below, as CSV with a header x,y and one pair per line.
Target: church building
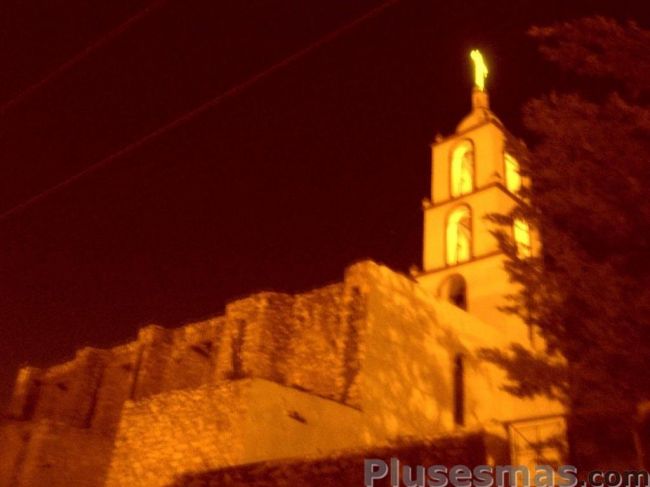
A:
x,y
302,387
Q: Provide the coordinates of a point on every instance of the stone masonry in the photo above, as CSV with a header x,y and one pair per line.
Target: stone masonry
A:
x,y
351,365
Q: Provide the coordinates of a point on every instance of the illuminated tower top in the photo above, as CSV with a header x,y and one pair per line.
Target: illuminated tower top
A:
x,y
474,174
480,100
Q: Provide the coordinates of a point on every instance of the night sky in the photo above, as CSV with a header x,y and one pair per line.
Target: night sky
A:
x,y
280,187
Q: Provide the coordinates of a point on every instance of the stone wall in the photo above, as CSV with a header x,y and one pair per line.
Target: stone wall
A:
x,y
375,353
271,336
52,454
115,387
267,335
229,423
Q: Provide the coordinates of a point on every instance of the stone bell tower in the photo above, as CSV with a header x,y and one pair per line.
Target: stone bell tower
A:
x,y
473,175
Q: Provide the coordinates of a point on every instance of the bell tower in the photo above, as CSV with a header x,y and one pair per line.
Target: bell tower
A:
x,y
473,175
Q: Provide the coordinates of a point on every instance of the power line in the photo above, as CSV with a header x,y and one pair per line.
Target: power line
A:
x,y
200,109
81,55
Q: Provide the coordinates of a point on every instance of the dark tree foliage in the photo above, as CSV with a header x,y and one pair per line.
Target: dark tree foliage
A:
x,y
588,293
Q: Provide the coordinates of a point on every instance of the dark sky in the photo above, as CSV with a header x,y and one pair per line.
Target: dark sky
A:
x,y
280,187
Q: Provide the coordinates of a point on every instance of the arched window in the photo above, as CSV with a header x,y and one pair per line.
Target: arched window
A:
x,y
454,290
513,178
459,235
462,169
459,391
521,234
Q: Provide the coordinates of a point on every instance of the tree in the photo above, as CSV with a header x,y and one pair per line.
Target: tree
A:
x,y
588,293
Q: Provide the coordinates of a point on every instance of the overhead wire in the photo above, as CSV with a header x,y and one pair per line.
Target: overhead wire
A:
x,y
81,55
187,116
